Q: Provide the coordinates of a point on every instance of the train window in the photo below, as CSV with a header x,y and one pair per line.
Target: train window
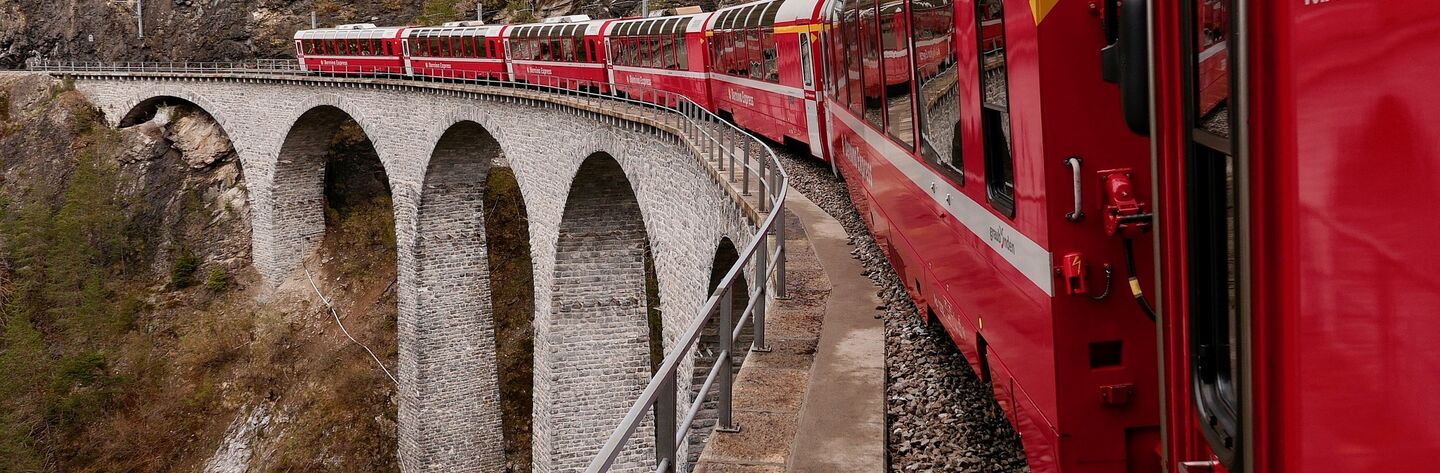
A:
x,y
1217,217
767,44
854,51
873,76
896,73
938,85
682,53
840,43
752,41
807,63
995,109
668,44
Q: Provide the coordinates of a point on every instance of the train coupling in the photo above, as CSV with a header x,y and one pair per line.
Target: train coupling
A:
x,y
1124,214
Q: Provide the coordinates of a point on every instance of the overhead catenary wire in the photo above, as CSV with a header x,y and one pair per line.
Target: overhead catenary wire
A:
x,y
336,315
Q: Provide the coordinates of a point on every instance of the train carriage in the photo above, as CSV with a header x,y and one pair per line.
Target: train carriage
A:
x,y
1299,326
763,62
570,47
360,48
666,53
967,187
463,50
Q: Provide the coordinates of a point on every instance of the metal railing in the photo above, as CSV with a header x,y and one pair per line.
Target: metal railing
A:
x,y
731,151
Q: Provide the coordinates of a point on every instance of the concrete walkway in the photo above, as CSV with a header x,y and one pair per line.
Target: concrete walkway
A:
x,y
816,402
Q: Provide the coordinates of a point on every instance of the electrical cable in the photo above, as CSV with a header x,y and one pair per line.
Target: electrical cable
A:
x,y
330,306
1109,276
1135,279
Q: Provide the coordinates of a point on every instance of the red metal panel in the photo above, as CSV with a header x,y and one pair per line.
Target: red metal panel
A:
x,y
1347,172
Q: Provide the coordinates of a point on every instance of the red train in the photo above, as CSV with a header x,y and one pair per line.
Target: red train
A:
x,y
1020,172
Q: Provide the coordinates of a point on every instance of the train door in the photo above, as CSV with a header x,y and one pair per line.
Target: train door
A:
x,y
405,48
1202,166
808,65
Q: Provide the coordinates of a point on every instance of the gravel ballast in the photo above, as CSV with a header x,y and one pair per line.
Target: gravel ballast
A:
x,y
940,417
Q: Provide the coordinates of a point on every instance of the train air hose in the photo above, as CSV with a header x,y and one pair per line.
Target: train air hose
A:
x,y
1135,279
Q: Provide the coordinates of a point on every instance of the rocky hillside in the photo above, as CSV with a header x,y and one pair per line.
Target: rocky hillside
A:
x,y
225,30
134,333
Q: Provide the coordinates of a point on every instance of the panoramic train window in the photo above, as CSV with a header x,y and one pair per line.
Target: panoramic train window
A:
x,y
1217,230
938,86
855,68
995,110
896,73
872,76
767,46
839,63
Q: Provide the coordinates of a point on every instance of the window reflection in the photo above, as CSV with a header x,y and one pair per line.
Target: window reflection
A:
x,y
895,48
1212,68
937,82
870,66
995,113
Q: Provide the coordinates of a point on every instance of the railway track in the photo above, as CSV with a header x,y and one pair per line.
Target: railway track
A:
x,y
940,417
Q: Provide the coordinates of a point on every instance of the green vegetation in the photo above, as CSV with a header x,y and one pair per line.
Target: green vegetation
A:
x,y
59,311
435,12
182,270
218,281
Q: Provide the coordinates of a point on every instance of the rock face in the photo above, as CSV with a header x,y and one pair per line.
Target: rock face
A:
x,y
125,260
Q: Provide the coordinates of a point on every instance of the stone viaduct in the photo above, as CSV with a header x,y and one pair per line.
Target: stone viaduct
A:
x,y
597,188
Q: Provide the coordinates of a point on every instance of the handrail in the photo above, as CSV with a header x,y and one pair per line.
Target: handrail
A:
x,y
713,138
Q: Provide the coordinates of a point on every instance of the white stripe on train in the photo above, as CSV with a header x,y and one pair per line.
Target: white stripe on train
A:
x,y
1024,254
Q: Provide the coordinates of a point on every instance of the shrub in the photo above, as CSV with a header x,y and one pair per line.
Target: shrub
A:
x,y
182,271
218,281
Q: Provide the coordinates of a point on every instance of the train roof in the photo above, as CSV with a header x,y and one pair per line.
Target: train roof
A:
x,y
765,12
352,32
487,30
553,29
691,23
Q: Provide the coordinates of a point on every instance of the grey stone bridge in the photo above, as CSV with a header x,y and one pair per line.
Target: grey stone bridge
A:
x,y
598,184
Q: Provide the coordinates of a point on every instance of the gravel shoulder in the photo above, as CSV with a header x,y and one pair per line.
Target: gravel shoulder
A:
x,y
939,416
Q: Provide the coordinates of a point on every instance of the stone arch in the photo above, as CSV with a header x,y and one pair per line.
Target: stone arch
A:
x,y
708,349
599,335
135,107
295,220
450,415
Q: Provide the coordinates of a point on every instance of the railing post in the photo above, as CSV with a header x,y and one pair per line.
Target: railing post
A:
x,y
745,173
665,425
720,156
762,281
762,182
725,360
781,291
733,137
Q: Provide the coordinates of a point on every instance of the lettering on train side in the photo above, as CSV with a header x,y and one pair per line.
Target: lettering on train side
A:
x,y
539,70
334,63
741,97
857,161
639,80
1001,239
437,65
